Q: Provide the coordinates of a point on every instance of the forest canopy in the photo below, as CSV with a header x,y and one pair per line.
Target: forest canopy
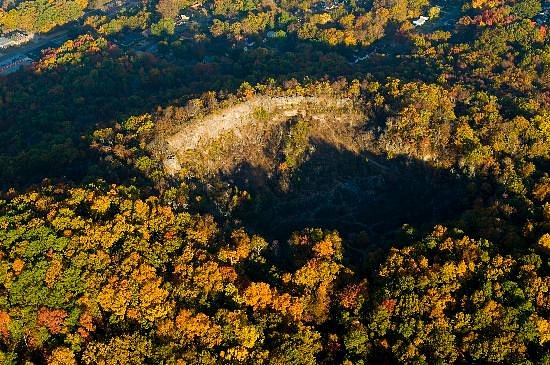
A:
x,y
277,182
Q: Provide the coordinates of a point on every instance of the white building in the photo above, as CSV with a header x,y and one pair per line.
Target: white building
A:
x,y
420,21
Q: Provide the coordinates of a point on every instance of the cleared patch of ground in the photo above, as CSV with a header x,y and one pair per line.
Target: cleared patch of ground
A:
x,y
253,131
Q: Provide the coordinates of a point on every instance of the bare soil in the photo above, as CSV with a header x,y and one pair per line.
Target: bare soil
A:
x,y
222,139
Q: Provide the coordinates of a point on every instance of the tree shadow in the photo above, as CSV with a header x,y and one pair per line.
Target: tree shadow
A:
x,y
339,189
46,117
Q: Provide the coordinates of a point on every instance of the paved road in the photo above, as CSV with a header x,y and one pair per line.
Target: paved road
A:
x,y
37,43
40,41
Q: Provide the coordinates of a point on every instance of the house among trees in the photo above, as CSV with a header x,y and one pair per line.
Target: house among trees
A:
x,y
420,21
15,38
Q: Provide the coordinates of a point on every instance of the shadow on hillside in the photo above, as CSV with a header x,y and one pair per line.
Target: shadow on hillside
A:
x,y
45,118
338,189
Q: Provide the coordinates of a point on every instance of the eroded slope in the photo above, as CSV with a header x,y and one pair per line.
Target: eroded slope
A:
x,y
305,161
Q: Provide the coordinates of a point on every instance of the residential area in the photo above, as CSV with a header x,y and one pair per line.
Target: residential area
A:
x,y
19,48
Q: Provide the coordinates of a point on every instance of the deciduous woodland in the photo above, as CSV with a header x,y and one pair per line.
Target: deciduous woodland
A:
x,y
277,182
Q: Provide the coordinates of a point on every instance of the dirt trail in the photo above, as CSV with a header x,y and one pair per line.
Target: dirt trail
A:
x,y
234,118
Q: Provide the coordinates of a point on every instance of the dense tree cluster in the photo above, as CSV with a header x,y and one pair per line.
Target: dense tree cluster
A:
x,y
117,262
171,8
76,85
338,23
41,15
446,297
106,26
488,13
101,274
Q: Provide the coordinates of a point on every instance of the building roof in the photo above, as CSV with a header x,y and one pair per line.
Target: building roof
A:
x,y
420,21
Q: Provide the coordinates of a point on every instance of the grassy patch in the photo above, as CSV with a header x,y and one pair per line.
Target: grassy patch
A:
x,y
296,143
261,114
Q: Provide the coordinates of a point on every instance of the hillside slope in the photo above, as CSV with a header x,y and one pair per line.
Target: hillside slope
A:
x,y
302,160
